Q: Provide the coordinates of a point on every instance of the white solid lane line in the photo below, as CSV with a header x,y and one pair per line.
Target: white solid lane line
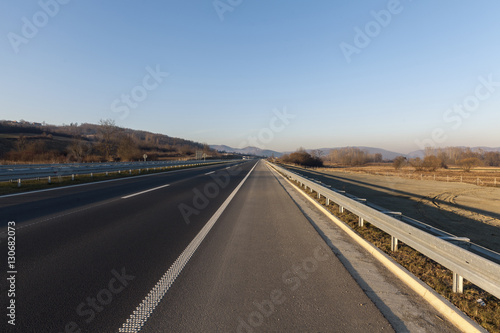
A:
x,y
138,318
151,189
209,173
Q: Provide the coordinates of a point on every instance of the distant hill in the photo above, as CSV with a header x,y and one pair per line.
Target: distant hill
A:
x,y
22,141
247,151
386,154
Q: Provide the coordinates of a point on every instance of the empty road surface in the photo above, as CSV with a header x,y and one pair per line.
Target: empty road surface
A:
x,y
213,249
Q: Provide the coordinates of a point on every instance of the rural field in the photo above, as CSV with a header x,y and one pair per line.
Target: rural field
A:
x,y
463,209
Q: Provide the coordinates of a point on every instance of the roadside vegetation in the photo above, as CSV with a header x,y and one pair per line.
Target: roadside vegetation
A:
x,y
464,158
479,305
434,159
452,164
303,158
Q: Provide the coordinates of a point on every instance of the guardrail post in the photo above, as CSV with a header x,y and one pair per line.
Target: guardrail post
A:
x,y
19,182
91,175
73,177
458,283
106,173
327,201
49,180
341,209
310,189
361,222
319,195
394,244
130,172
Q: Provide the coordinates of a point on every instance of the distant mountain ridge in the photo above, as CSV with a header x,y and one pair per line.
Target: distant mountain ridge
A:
x,y
386,154
247,151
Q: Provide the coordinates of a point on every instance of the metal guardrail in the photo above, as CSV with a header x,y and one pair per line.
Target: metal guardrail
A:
x,y
477,269
28,171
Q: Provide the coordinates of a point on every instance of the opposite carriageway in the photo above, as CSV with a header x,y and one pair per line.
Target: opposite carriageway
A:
x,y
36,171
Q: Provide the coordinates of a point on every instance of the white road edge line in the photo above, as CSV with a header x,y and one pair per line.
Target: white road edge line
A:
x,y
142,312
209,173
142,192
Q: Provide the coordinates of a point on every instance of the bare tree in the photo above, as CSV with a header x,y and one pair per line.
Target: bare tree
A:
x,y
467,163
399,162
417,163
21,143
107,137
317,153
128,149
78,150
432,163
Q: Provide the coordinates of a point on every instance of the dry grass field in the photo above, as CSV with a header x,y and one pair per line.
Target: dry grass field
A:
x,y
482,176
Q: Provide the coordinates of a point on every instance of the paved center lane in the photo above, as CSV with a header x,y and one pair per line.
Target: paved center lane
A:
x,y
263,267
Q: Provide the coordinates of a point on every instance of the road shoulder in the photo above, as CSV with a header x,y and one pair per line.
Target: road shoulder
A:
x,y
403,308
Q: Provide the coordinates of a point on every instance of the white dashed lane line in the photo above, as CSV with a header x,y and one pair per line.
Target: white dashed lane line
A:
x,y
142,192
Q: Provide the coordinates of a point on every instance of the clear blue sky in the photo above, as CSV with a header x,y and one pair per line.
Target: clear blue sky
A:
x,y
230,71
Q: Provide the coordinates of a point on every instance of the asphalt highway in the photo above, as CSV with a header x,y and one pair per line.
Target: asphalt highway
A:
x,y
212,249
